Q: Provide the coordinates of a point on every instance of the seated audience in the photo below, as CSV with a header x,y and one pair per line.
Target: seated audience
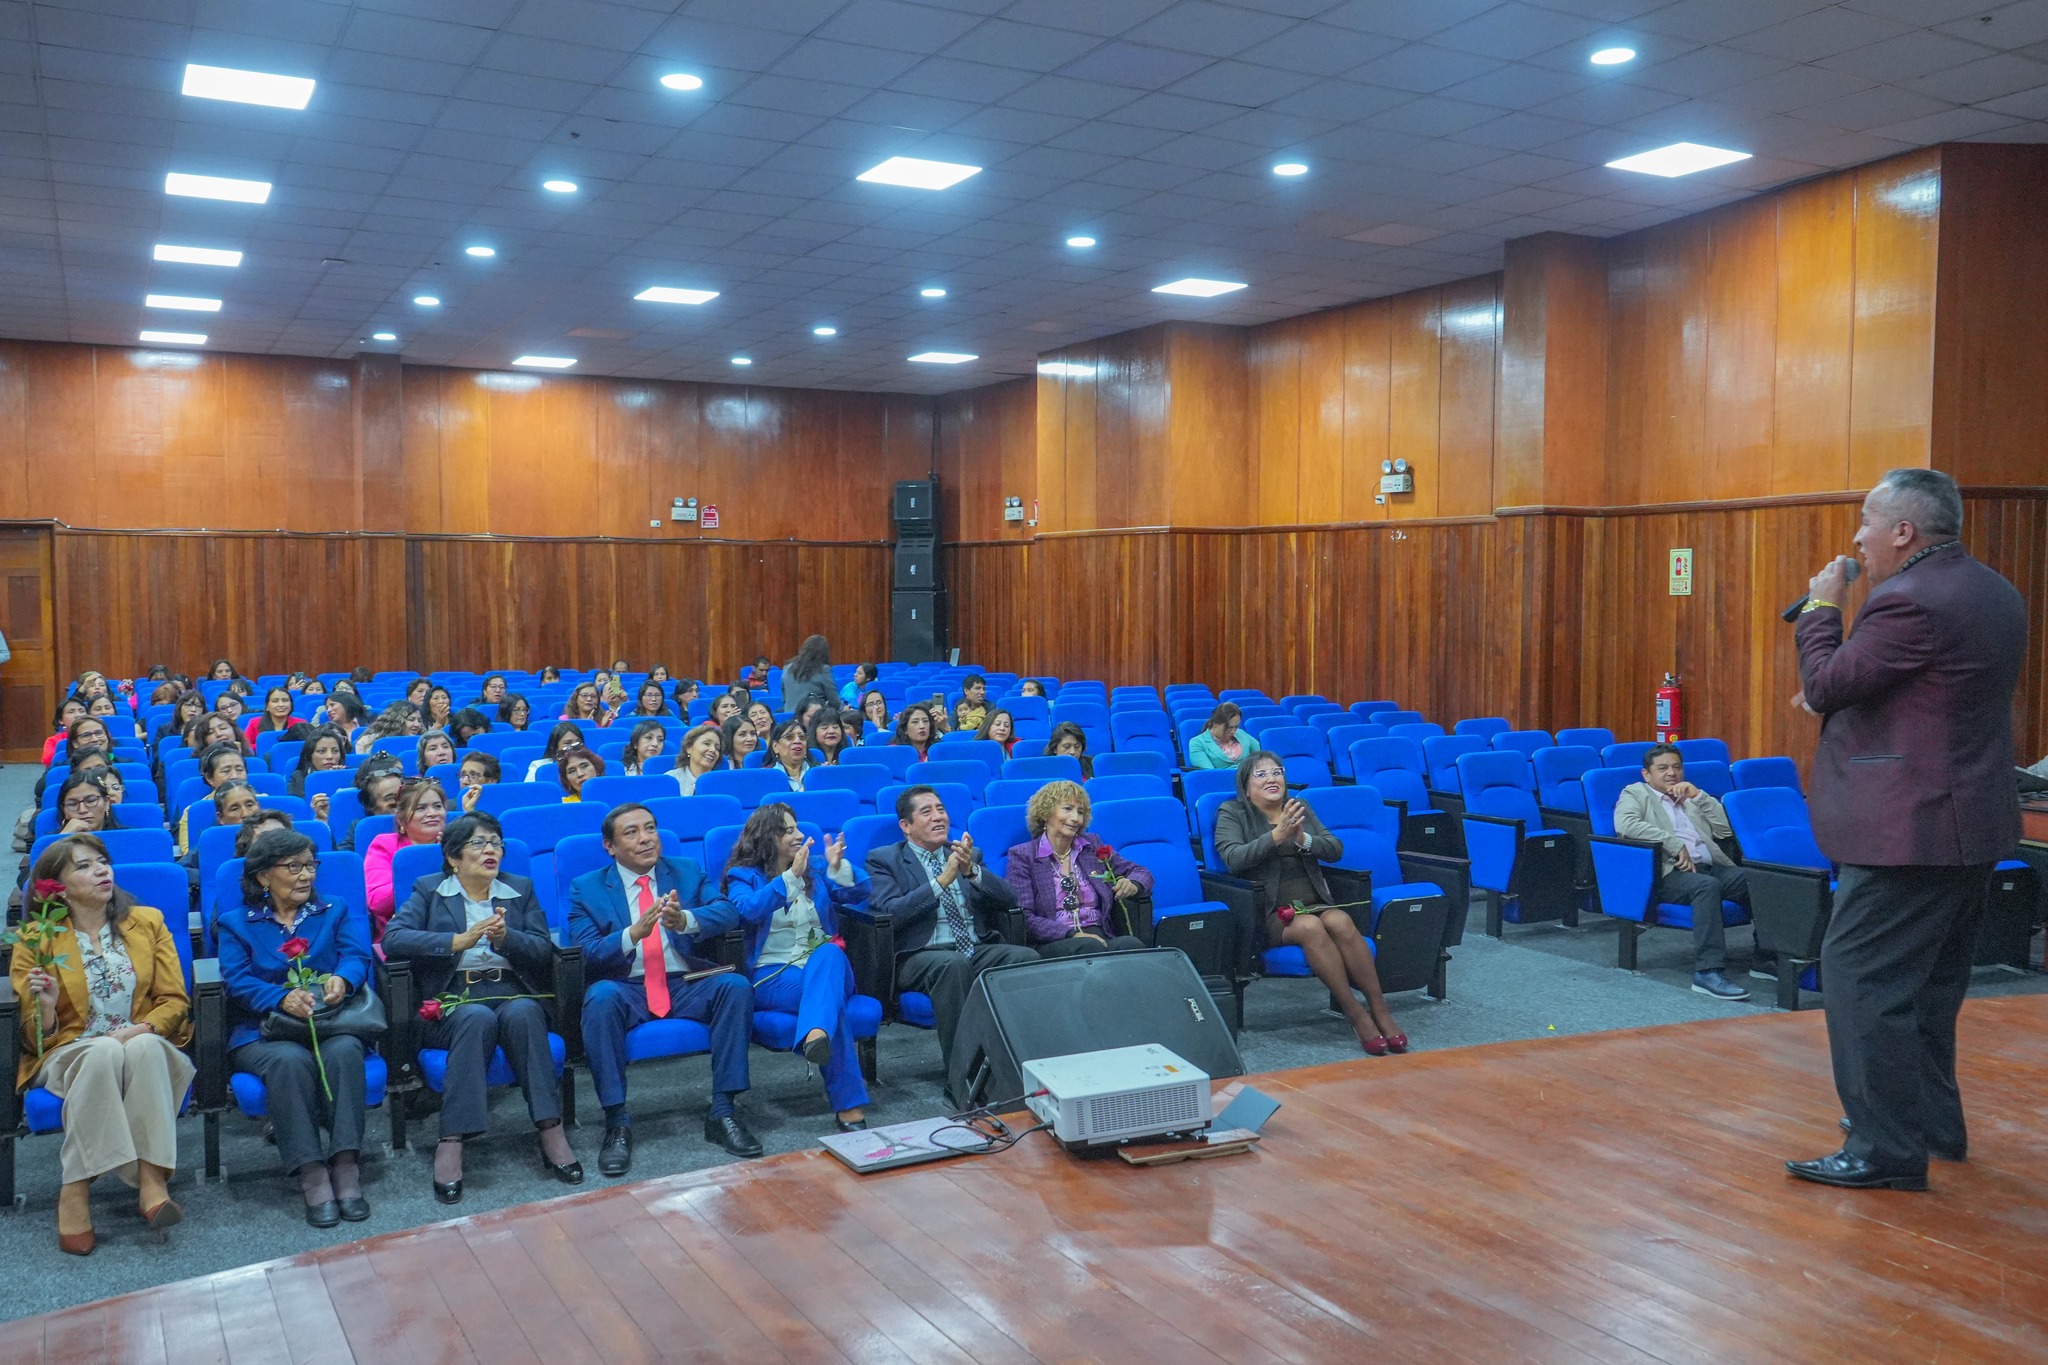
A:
x,y
399,718
419,817
434,748
466,725
703,749
874,711
639,920
69,711
275,715
281,907
378,783
762,717
440,708
492,692
478,934
649,701
658,674
258,825
222,671
189,706
941,719
1071,740
914,727
863,674
973,707
1078,895
233,802
1666,810
586,705
741,739
828,734
757,676
314,688
479,770
229,705
219,765
1220,744
101,1026
808,677
567,734
213,729
724,708
1279,845
85,733
416,694
550,675
84,805
515,712
1030,687
787,903
685,693
574,767
790,753
1000,727
325,750
943,901
345,710
644,743
107,709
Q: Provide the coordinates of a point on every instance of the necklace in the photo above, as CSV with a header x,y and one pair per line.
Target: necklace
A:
x,y
1922,553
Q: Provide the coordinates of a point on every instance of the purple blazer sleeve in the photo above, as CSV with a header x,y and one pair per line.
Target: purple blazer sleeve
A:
x,y
1894,640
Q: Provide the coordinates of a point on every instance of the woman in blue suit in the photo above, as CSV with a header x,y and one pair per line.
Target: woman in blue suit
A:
x,y
280,907
786,904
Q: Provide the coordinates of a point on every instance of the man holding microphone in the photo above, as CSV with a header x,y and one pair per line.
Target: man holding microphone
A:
x,y
1913,795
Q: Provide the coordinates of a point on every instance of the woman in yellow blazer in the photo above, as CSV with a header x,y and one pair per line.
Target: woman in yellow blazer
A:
x,y
113,1012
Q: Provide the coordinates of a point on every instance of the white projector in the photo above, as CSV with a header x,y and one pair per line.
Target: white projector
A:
x,y
1119,1093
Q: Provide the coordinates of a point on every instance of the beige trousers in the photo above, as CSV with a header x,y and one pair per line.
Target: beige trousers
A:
x,y
120,1103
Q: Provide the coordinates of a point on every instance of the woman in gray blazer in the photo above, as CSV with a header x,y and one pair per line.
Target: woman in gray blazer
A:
x,y
478,941
1277,843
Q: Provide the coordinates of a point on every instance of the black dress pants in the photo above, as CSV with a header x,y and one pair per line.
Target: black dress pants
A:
x,y
1894,968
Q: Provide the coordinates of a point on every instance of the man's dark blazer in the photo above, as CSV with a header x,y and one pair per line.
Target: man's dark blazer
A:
x,y
425,926
1916,749
901,889
598,911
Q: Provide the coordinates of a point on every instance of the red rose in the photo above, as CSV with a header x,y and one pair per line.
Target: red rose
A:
x,y
1104,852
430,1011
49,889
837,940
295,947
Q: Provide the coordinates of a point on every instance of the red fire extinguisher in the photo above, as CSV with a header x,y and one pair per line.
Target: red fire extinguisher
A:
x,y
1670,709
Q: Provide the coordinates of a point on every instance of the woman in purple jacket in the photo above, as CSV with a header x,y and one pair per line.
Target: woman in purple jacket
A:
x,y
1075,890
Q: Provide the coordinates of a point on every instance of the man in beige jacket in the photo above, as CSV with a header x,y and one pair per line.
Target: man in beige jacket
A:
x,y
1666,810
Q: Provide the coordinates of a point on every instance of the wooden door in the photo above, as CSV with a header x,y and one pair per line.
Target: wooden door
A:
x,y
28,681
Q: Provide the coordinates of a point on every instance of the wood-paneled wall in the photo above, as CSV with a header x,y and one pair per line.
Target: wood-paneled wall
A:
x,y
988,451
109,437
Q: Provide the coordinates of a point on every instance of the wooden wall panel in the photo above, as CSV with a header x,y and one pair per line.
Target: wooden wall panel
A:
x,y
1414,385
1551,417
988,451
1898,216
1462,471
1815,289
1208,478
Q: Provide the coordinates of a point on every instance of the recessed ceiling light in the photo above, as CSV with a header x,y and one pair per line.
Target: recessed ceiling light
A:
x,y
479,251
824,331
1680,158
917,174
247,87
545,362
1612,56
196,255
426,300
559,186
176,338
383,336
1081,241
742,360
943,357
932,293
662,293
217,187
1198,288
682,80
1290,168
183,301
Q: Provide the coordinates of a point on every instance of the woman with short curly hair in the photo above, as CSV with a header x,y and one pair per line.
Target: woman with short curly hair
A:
x,y
1078,895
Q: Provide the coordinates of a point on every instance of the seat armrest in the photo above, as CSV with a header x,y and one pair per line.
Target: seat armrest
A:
x,y
730,948
1504,821
1013,928
10,1054
400,989
568,1002
209,1036
871,950
1348,885
1247,907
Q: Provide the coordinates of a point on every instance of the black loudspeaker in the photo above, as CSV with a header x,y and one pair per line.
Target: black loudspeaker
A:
x,y
1064,1005
917,564
916,505
917,626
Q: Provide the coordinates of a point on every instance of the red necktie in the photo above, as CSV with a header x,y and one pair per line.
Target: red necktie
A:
x,y
654,955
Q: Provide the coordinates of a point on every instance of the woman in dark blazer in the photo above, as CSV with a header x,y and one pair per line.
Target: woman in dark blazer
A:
x,y
1279,844
1069,884
478,941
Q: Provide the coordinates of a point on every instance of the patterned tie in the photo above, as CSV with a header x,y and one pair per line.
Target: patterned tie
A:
x,y
654,954
951,903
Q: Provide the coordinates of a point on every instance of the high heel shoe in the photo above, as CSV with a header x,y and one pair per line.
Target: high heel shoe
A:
x,y
448,1191
1375,1046
1397,1042
569,1173
165,1213
76,1243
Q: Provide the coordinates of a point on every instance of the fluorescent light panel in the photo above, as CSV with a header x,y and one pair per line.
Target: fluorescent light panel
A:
x,y
1080,241
943,357
559,186
1680,158
196,255
742,360
247,87
824,331
1612,56
383,336
480,251
1290,168
917,174
217,187
426,300
932,293
1195,287
682,80
176,338
545,362
662,293
183,301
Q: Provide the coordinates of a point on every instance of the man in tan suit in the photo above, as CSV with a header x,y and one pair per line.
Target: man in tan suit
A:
x,y
1666,810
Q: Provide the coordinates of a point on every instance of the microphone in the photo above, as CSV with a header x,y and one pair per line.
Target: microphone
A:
x,y
1851,571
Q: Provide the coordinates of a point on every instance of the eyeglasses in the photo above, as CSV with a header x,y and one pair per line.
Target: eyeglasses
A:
x,y
301,869
1263,773
485,846
78,803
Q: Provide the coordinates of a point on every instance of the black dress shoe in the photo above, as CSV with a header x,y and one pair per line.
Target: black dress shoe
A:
x,y
1848,1171
354,1210
448,1191
854,1127
818,1051
1938,1153
615,1156
728,1132
326,1214
569,1173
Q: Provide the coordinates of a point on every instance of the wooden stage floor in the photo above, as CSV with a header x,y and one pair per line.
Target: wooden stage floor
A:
x,y
1606,1197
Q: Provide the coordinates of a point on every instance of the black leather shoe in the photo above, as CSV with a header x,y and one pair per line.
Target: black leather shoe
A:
x,y
354,1210
324,1215
728,1132
569,1173
1938,1153
1848,1171
615,1157
818,1050
448,1191
856,1126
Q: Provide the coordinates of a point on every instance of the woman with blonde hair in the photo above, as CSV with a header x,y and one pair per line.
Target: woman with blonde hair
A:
x,y
1078,894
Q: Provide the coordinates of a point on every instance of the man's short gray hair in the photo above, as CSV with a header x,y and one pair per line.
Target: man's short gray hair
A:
x,y
1926,497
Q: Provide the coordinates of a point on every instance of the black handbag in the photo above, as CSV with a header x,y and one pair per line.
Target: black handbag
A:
x,y
359,1016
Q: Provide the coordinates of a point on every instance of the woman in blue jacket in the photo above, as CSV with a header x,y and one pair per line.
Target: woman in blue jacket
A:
x,y
786,904
281,909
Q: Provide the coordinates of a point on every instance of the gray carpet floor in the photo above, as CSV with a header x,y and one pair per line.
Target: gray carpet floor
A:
x,y
1537,981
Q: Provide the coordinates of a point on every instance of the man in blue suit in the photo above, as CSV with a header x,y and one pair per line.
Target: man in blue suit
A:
x,y
638,922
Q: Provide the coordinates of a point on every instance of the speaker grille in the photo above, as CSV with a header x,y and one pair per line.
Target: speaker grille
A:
x,y
1121,1113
